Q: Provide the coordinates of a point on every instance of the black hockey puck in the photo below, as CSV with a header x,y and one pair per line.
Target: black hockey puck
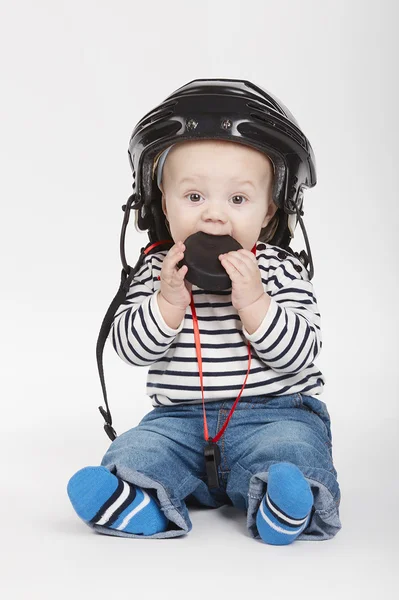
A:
x,y
202,258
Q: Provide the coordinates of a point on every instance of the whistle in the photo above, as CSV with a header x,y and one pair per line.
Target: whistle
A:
x,y
212,461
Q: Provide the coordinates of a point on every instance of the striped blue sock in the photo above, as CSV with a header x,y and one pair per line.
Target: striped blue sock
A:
x,y
100,497
285,508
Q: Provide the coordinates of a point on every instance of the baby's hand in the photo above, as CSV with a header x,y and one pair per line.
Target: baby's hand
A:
x,y
174,288
242,268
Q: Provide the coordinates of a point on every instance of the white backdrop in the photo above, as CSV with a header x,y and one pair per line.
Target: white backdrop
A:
x,y
76,76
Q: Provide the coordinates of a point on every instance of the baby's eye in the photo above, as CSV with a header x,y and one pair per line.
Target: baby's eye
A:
x,y
199,196
189,196
239,203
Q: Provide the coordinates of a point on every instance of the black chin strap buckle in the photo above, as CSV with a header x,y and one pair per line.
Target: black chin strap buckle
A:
x,y
109,430
303,257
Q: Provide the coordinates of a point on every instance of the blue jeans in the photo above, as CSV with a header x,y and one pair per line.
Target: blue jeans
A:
x,y
164,454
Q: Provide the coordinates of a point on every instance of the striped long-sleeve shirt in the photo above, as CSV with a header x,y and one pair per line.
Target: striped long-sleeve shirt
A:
x,y
283,348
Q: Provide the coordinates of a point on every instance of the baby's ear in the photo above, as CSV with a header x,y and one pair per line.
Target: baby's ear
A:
x,y
271,211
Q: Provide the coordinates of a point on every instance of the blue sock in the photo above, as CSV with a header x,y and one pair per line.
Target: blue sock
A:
x,y
285,508
100,497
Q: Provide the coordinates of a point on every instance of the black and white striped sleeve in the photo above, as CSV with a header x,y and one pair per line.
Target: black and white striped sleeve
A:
x,y
139,333
289,338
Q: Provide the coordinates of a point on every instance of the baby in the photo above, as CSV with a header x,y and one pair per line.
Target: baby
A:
x,y
274,458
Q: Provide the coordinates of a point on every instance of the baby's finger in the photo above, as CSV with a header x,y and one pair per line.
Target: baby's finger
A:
x,y
179,249
231,269
237,263
248,254
172,258
182,271
250,263
243,258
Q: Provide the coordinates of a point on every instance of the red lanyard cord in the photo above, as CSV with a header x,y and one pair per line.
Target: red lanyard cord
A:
x,y
146,251
199,359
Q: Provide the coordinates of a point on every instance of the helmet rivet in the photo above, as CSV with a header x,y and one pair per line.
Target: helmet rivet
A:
x,y
191,124
225,124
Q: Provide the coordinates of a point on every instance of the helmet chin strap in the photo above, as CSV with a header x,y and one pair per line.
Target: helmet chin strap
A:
x,y
305,258
292,223
292,220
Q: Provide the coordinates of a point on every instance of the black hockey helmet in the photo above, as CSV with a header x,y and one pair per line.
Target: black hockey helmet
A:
x,y
223,109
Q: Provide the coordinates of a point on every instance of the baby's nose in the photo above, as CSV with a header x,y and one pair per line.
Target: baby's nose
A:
x,y
215,213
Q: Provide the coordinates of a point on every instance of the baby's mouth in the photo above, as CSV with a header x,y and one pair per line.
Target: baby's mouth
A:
x,y
214,232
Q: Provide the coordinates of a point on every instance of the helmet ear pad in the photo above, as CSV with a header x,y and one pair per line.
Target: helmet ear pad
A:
x,y
159,217
151,217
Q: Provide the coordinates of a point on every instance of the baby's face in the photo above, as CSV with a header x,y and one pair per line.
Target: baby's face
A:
x,y
219,187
